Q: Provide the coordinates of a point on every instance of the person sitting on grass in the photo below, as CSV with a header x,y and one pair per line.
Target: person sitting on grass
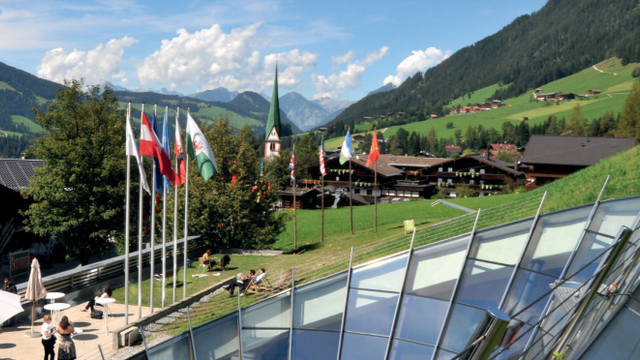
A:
x,y
240,283
106,293
208,261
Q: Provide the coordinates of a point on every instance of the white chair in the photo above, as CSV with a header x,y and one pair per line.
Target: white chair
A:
x,y
202,264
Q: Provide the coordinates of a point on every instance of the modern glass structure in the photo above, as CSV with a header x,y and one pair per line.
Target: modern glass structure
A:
x,y
562,280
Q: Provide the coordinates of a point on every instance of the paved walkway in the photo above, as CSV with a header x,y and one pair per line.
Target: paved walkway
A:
x,y
15,345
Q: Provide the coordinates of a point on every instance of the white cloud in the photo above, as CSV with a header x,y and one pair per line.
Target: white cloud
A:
x,y
419,61
341,59
101,63
350,78
214,58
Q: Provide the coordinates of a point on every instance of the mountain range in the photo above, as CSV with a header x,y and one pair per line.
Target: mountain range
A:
x,y
560,39
384,88
219,94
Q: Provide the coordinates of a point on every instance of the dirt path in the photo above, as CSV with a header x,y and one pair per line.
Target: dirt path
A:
x,y
603,72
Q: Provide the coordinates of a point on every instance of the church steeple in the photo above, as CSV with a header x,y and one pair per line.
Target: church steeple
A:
x,y
272,130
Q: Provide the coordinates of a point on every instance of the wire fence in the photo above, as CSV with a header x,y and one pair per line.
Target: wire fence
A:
x,y
220,303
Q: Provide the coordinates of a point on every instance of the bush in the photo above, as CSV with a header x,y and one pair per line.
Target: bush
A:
x,y
450,125
636,72
465,190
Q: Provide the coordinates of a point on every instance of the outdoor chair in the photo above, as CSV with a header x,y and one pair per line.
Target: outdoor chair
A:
x,y
202,264
258,282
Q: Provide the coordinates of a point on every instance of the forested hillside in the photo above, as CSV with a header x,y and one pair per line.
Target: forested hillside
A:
x,y
562,38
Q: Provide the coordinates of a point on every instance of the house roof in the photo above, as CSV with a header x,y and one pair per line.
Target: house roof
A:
x,y
412,161
504,147
16,173
496,163
383,168
573,150
299,191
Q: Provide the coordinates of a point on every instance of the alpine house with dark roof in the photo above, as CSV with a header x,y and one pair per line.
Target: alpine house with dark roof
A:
x,y
549,157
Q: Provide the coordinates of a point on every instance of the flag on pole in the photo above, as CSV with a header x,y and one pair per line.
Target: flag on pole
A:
x,y
323,170
132,150
346,153
198,147
292,165
374,153
150,146
165,145
156,164
178,150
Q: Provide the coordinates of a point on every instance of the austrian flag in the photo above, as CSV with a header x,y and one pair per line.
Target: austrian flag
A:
x,y
151,146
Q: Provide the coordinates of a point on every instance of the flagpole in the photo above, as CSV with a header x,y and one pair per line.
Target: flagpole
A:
x,y
126,234
152,239
350,197
186,211
175,225
295,219
140,214
322,196
164,225
375,189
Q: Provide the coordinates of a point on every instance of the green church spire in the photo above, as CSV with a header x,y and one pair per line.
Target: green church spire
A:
x,y
274,110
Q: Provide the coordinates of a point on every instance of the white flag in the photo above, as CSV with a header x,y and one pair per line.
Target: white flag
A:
x,y
132,150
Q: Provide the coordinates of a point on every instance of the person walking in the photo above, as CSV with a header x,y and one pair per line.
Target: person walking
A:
x,y
48,338
66,349
8,286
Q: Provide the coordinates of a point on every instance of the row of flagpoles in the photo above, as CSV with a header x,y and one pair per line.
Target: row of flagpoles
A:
x,y
346,153
162,176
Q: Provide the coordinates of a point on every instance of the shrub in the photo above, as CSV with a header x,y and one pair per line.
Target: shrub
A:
x,y
450,125
636,72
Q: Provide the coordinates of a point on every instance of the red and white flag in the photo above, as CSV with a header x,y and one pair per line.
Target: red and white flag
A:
x,y
323,170
150,145
178,150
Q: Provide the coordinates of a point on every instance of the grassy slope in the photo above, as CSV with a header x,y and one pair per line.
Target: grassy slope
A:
x,y
212,112
478,96
5,86
27,122
615,89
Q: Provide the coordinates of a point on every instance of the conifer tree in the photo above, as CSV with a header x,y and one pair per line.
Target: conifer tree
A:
x,y
629,123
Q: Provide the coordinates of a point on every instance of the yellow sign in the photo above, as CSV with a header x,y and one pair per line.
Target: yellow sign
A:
x,y
409,225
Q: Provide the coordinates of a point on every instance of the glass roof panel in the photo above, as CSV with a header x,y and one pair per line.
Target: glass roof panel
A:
x,y
612,215
503,244
218,339
527,288
271,313
619,340
320,305
420,319
176,348
515,329
315,345
264,344
385,275
370,312
592,246
462,324
363,347
554,239
434,269
445,355
483,283
402,350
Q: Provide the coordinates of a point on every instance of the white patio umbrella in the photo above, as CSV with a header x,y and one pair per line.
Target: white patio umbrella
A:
x,y
9,305
35,289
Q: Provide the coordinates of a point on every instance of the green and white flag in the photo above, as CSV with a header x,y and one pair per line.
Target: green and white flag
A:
x,y
347,150
198,147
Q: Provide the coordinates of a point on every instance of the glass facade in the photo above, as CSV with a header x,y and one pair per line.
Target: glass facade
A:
x,y
429,303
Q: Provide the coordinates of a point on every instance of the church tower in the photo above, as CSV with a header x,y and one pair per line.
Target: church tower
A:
x,y
272,131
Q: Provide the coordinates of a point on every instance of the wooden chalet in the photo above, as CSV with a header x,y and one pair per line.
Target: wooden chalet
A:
x,y
594,91
551,157
495,148
397,177
485,175
305,198
358,138
565,96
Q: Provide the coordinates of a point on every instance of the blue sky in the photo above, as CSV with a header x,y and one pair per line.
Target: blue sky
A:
x,y
338,49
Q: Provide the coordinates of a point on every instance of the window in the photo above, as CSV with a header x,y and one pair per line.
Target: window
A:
x,y
439,180
272,146
473,171
356,191
369,192
481,171
449,181
472,182
441,169
481,182
337,178
450,169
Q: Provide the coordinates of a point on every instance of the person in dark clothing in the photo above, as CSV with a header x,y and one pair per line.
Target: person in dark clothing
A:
x,y
106,293
240,284
8,286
